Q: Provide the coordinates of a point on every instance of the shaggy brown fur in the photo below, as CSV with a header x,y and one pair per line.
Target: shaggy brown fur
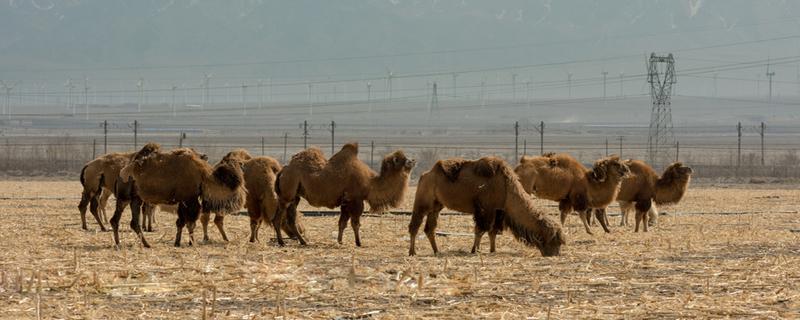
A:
x,y
262,202
559,177
489,190
98,178
182,177
643,187
343,181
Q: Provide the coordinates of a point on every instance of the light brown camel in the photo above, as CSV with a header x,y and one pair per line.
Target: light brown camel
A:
x,y
489,190
262,202
98,178
560,177
644,189
182,177
343,181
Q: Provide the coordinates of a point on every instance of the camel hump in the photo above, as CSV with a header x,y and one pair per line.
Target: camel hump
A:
x,y
350,148
148,149
241,154
451,168
488,166
226,174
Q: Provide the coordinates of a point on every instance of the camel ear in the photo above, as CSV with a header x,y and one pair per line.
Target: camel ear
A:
x,y
486,167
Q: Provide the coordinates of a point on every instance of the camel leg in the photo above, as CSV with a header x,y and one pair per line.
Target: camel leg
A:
x,y
600,214
642,208
219,221
103,204
476,244
255,214
343,217
584,214
565,207
291,222
652,214
413,227
149,216
430,226
136,208
82,206
188,213
625,207
121,204
93,203
497,227
356,210
204,218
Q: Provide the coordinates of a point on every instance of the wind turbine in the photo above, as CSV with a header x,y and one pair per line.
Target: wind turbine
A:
x,y
8,87
70,86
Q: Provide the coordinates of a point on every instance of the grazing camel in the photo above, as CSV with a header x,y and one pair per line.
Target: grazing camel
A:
x,y
98,178
489,190
182,177
643,189
343,181
560,177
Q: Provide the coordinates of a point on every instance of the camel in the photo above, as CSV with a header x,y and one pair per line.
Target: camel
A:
x,y
560,177
343,181
489,190
262,202
644,189
182,177
98,178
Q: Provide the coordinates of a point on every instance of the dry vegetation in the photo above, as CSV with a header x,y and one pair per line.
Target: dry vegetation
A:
x,y
724,251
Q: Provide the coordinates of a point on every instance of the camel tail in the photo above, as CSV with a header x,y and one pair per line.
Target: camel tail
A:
x,y
83,172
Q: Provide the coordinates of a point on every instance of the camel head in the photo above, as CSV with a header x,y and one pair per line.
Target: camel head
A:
x,y
609,167
550,246
677,171
148,149
397,162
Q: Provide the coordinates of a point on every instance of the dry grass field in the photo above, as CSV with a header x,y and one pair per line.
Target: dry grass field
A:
x,y
726,251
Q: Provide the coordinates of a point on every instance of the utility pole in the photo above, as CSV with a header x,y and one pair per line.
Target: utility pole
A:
x,y
262,147
739,146
606,147
528,94
569,84
8,87
285,144
516,142
389,75
620,138
605,75
333,133
70,86
540,130
455,85
372,153
369,100
524,147
305,134
763,131
514,87
244,99
770,75
181,137
434,104
173,100
660,135
260,94
140,86
135,134
677,150
105,136
86,96
310,102
715,84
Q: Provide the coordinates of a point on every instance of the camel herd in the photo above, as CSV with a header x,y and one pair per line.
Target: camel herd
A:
x,y
497,196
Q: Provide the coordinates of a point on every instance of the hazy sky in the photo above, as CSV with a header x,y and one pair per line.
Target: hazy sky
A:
x,y
114,43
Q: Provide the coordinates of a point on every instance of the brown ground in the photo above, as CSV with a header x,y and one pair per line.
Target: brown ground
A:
x,y
722,252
